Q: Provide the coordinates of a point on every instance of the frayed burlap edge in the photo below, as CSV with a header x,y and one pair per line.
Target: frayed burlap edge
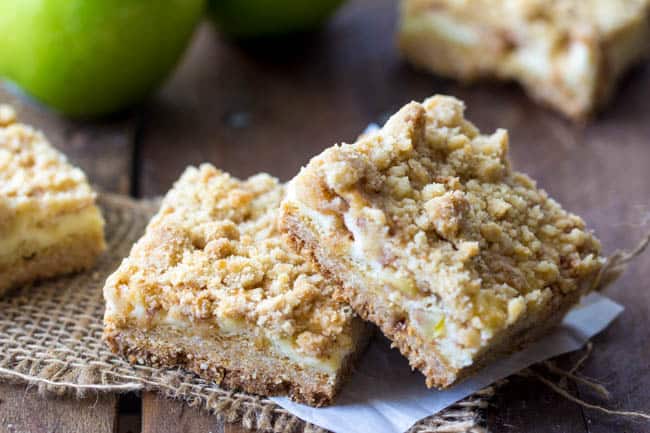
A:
x,y
50,338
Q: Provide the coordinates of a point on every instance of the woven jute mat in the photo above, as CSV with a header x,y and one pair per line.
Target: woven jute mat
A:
x,y
50,338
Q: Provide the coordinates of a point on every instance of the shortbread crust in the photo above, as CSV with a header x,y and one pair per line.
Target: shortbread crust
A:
x,y
49,222
213,287
568,54
434,238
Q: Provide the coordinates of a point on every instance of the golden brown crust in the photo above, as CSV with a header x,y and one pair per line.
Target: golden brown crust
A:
x,y
437,240
235,366
73,254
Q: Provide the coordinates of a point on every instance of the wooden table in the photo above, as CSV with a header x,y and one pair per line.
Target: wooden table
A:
x,y
269,108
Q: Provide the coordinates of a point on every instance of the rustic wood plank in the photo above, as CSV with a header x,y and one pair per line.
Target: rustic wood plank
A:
x,y
104,151
620,358
162,415
621,353
24,410
526,405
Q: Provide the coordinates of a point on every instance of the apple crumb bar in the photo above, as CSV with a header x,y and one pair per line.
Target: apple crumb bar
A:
x,y
213,287
433,237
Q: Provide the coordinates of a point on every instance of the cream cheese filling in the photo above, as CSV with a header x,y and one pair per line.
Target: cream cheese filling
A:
x,y
122,305
327,365
30,235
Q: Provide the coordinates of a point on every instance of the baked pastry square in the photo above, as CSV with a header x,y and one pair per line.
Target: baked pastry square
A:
x,y
433,237
213,287
567,54
49,223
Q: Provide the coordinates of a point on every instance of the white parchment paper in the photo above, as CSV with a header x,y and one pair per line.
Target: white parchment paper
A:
x,y
385,396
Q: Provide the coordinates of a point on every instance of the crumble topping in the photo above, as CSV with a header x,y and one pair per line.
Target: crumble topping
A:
x,y
431,213
213,254
35,177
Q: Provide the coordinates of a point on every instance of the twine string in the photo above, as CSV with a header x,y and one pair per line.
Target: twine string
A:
x,y
617,263
570,374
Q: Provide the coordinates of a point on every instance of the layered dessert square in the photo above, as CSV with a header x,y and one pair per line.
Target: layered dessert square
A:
x,y
433,237
213,287
49,222
567,54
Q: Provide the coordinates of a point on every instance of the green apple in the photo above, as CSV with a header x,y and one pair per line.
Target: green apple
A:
x,y
92,57
258,18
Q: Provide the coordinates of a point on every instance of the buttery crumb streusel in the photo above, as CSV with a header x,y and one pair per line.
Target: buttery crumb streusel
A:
x,y
436,239
34,175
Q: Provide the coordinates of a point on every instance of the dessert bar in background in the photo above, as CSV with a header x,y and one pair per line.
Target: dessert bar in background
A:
x,y
213,287
434,238
568,54
49,222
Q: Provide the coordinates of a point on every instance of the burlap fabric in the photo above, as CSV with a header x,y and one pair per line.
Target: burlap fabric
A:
x,y
50,337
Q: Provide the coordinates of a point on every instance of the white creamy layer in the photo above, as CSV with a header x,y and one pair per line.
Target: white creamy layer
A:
x,y
122,305
30,235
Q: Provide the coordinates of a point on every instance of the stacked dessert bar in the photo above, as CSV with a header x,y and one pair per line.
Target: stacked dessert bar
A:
x,y
421,228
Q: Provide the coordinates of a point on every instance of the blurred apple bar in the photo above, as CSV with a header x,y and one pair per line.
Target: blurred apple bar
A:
x,y
567,54
49,222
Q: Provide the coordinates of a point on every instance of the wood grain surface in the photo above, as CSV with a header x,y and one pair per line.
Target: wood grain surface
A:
x,y
270,107
162,415
24,411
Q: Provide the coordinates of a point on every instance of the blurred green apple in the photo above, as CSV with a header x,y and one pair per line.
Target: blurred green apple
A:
x,y
257,18
93,57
